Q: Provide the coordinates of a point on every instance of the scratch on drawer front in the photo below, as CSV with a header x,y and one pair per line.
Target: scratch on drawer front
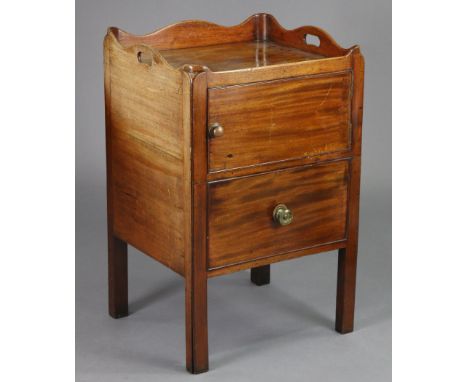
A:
x,y
271,124
326,96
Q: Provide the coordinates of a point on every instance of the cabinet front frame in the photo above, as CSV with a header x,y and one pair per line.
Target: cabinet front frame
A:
x,y
353,62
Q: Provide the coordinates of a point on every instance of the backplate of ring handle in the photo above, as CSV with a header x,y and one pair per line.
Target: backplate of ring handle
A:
x,y
282,215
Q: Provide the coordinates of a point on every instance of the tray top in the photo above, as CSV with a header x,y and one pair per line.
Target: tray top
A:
x,y
259,41
233,56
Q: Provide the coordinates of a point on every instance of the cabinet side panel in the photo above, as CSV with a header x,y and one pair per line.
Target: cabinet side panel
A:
x,y
148,152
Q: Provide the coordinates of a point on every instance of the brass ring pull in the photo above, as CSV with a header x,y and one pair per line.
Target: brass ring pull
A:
x,y
282,215
216,130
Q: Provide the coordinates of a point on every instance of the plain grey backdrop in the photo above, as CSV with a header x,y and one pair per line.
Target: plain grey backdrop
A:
x,y
280,332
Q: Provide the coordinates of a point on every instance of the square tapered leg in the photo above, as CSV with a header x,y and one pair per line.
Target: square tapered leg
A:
x,y
196,324
118,278
346,290
260,275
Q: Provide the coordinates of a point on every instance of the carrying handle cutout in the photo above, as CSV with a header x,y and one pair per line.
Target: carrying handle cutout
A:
x,y
311,39
145,58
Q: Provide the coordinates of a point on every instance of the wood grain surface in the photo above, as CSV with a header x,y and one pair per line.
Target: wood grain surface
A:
x,y
278,120
225,270
292,115
347,258
192,33
297,38
275,72
240,223
147,156
258,27
196,288
242,55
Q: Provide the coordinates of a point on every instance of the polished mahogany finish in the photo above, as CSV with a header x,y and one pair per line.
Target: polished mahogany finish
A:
x,y
231,148
311,114
242,208
242,55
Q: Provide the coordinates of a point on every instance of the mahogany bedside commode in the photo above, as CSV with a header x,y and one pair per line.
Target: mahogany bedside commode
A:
x,y
231,148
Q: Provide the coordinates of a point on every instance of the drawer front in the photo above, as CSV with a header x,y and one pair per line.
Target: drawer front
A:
x,y
241,226
279,120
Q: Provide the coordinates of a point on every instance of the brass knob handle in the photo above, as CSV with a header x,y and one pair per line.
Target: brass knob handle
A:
x,y
282,215
216,130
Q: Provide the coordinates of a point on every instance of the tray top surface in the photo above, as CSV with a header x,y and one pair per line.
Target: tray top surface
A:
x,y
235,56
